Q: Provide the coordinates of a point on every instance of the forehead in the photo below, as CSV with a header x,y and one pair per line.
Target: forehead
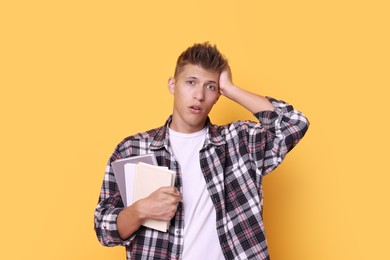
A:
x,y
196,71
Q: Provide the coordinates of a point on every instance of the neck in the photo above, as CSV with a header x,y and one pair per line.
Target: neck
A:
x,y
185,128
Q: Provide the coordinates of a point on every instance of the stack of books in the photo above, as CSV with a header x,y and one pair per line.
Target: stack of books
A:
x,y
137,177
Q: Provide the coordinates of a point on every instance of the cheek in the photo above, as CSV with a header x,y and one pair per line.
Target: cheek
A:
x,y
211,104
215,99
180,99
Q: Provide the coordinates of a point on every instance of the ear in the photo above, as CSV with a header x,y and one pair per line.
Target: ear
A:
x,y
171,85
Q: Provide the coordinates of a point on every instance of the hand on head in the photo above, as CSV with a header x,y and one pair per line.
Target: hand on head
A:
x,y
225,80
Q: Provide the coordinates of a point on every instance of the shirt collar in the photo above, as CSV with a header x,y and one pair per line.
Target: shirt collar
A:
x,y
213,137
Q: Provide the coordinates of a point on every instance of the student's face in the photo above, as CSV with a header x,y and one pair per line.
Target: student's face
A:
x,y
195,91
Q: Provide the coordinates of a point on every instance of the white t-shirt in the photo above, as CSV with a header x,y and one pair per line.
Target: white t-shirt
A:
x,y
200,233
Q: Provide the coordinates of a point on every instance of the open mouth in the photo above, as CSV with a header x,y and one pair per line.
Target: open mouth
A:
x,y
195,109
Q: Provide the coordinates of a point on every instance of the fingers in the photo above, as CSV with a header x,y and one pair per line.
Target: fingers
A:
x,y
169,212
173,192
162,203
225,81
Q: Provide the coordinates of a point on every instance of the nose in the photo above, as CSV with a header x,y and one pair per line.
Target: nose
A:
x,y
199,94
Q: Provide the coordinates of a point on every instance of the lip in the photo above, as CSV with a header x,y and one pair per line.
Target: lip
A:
x,y
195,109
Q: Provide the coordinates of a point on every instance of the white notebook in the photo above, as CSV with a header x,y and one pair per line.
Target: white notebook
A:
x,y
118,167
143,179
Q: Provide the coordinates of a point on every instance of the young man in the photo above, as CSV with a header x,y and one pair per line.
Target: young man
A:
x,y
215,208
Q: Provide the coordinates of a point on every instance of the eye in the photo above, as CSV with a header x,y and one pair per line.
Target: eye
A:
x,y
190,82
211,87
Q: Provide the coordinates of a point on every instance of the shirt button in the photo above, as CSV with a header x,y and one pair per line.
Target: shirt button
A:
x,y
178,232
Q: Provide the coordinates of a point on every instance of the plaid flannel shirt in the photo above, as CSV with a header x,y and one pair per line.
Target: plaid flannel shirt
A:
x,y
233,160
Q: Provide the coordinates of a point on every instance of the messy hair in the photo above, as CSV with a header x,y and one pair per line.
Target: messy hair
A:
x,y
204,55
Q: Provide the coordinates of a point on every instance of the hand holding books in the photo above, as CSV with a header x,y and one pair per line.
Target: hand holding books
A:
x,y
139,180
162,205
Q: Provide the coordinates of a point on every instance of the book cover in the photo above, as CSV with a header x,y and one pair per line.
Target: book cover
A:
x,y
118,167
146,180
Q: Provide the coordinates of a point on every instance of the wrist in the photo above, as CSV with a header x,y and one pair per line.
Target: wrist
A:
x,y
139,211
128,221
230,91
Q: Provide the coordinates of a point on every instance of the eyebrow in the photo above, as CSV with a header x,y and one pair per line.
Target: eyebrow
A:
x,y
209,81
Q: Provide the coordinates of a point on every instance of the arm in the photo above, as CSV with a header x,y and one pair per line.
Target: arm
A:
x,y
281,126
115,224
253,102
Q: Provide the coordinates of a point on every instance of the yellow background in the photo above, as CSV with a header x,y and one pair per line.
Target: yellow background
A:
x,y
78,76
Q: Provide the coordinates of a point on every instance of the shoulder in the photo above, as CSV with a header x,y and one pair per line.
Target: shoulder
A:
x,y
136,143
142,135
